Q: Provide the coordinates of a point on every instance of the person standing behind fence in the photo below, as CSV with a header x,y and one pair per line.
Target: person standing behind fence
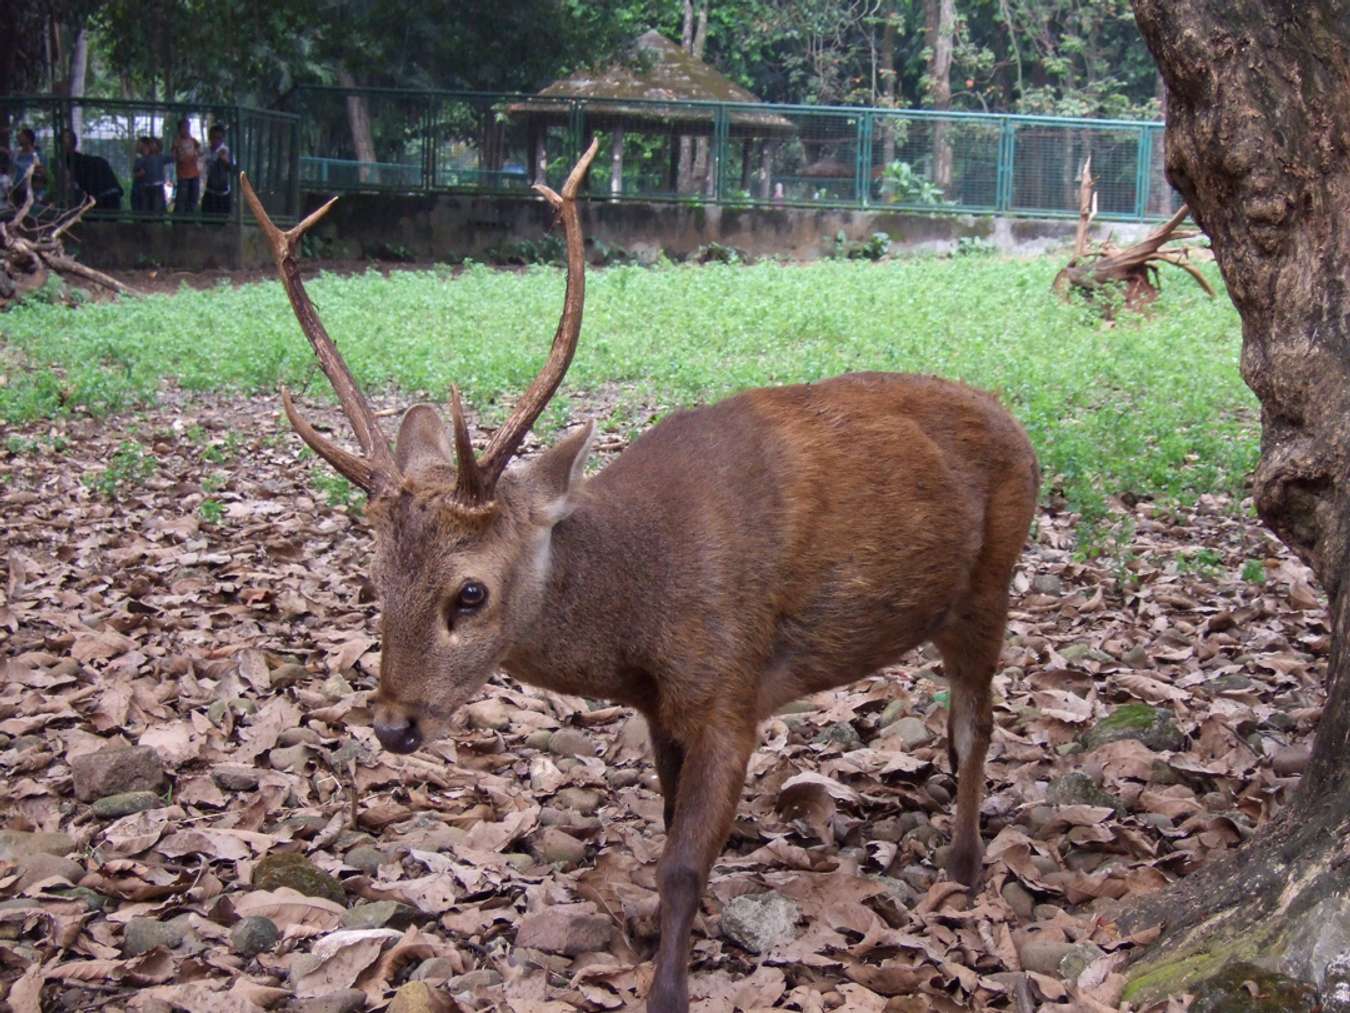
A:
x,y
187,153
91,175
218,170
24,160
138,169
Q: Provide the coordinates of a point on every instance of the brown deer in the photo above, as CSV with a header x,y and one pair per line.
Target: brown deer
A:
x,y
782,542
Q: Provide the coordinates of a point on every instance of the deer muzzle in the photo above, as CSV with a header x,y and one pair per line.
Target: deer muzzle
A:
x,y
398,734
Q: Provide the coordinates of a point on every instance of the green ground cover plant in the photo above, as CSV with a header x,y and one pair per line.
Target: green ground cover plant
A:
x,y
1142,405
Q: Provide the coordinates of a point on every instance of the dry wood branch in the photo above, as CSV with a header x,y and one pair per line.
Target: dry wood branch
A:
x,y
30,251
1135,267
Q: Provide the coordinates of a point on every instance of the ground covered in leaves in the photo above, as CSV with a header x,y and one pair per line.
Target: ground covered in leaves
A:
x,y
196,814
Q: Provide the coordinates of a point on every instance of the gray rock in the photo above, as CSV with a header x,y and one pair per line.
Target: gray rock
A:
x,y
1231,991
299,735
483,977
112,771
15,844
1137,657
366,858
287,675
1073,963
1043,955
1047,583
569,929
539,738
91,899
290,758
488,714
894,711
842,736
759,922
37,867
1336,985
436,968
116,806
378,914
348,1000
1153,726
558,847
910,731
144,934
235,777
335,688
253,935
1019,898
1291,761
1076,788
581,800
622,777
571,742
1319,937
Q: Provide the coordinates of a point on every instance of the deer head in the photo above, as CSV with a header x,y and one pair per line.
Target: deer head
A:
x,y
461,544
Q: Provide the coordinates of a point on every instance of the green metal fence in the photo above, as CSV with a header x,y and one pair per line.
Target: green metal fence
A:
x,y
733,154
264,143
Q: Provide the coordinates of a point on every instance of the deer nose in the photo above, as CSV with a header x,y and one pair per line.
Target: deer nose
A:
x,y
401,736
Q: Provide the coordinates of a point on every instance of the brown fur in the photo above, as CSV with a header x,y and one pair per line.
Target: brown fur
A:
x,y
735,557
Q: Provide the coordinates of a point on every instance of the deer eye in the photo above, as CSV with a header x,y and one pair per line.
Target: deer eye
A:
x,y
471,596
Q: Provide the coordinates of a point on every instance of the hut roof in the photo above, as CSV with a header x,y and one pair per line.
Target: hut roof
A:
x,y
635,91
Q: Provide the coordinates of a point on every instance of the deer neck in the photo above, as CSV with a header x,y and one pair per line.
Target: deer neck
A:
x,y
584,638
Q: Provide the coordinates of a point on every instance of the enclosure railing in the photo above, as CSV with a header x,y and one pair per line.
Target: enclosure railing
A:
x,y
108,151
730,154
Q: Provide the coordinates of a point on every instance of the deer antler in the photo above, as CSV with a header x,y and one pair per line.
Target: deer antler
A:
x,y
376,470
475,480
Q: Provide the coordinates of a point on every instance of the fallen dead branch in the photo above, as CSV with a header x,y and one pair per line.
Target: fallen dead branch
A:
x,y
1135,267
31,251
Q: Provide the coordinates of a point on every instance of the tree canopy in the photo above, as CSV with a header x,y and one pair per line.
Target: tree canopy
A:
x,y
1073,57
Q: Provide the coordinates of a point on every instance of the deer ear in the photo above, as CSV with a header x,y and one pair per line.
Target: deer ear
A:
x,y
553,478
423,441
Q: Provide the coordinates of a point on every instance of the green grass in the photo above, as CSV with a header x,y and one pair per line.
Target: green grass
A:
x,y
1152,406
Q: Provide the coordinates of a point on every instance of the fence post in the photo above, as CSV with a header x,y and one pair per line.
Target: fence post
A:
x,y
1004,175
1143,175
863,167
428,145
293,187
719,153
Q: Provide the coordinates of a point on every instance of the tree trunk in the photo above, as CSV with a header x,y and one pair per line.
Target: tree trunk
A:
x,y
888,86
1258,143
79,65
940,31
358,119
692,171
616,160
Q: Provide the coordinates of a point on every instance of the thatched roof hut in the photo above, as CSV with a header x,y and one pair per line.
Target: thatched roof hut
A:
x,y
633,93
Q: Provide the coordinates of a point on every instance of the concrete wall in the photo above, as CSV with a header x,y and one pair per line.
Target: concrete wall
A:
x,y
129,245
442,226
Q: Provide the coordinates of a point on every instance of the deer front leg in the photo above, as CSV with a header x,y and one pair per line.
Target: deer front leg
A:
x,y
710,781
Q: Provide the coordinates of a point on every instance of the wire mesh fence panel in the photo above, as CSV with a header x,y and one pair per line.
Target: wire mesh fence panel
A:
x,y
652,151
267,148
475,146
364,139
1048,160
934,163
29,136
1161,200
791,156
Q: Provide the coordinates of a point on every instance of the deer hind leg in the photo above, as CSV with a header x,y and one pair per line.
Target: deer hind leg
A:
x,y
710,780
970,653
669,757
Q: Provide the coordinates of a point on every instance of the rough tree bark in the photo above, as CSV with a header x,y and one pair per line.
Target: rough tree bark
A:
x,y
940,16
1258,142
358,119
